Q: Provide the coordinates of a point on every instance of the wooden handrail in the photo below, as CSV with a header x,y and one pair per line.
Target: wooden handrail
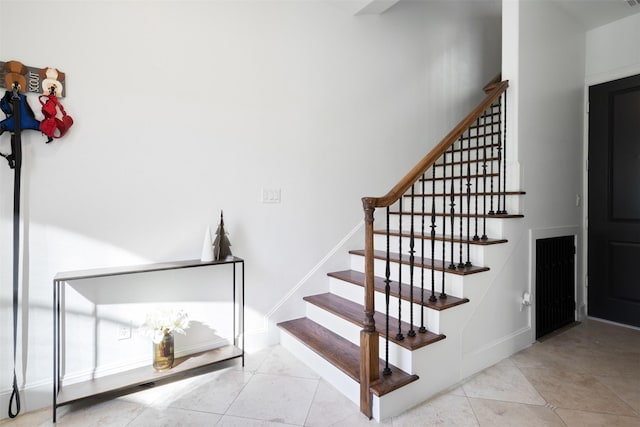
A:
x,y
492,83
428,161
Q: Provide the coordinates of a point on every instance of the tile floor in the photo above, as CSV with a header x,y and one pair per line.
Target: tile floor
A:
x,y
586,375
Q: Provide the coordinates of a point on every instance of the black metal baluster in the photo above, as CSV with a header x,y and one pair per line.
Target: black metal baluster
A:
x,y
412,252
461,208
477,160
499,104
399,335
452,211
444,223
422,328
433,298
468,263
491,211
484,191
387,292
504,157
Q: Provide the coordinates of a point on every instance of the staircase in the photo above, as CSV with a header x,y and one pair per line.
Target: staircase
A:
x,y
418,268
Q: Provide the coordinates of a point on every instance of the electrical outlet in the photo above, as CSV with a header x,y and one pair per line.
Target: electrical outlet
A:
x,y
124,332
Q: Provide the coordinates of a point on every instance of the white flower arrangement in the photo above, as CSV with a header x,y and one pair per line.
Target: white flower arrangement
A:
x,y
162,322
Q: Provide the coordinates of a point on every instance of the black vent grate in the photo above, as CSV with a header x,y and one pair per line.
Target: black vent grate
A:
x,y
555,279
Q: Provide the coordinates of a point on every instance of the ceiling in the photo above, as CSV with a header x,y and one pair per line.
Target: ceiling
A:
x,y
591,13
595,13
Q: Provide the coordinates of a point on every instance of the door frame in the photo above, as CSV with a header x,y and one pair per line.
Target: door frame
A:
x,y
591,81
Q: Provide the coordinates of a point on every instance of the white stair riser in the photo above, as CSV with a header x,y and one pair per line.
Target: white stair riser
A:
x,y
334,376
492,226
398,356
443,183
453,282
356,294
443,205
476,252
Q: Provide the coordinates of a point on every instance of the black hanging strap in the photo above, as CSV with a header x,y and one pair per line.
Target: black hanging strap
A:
x,y
16,162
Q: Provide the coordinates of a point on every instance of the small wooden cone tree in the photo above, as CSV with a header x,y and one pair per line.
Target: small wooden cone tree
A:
x,y
221,244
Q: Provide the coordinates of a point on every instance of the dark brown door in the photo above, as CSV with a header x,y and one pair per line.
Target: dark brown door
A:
x,y
614,201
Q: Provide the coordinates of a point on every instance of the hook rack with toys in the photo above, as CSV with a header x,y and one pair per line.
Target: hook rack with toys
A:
x,y
48,83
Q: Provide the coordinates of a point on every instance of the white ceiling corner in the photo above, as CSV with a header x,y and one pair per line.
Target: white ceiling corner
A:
x,y
364,7
376,7
595,13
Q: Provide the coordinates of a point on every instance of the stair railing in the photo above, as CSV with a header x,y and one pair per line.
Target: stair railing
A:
x,y
482,124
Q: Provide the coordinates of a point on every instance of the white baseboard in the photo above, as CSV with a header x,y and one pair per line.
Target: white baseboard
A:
x,y
32,397
490,354
622,325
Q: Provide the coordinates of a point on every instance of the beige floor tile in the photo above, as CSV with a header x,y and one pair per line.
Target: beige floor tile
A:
x,y
231,421
570,390
444,410
281,362
627,389
39,418
495,413
171,417
573,418
616,363
252,361
359,420
95,413
329,406
549,355
457,391
503,381
212,393
275,398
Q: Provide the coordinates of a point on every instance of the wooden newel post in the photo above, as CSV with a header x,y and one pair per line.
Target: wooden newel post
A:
x,y
369,337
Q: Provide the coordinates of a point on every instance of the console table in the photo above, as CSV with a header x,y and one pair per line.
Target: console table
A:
x,y
183,366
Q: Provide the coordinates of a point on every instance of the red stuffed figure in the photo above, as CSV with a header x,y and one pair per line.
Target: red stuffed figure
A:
x,y
51,125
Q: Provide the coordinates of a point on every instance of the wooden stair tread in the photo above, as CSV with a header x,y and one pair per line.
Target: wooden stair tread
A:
x,y
354,313
438,264
458,215
343,354
440,178
466,161
357,278
447,238
472,194
475,147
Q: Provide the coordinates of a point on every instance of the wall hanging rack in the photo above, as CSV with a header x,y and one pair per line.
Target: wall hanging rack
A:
x,y
48,82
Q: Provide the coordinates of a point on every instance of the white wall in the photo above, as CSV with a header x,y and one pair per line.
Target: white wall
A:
x,y
612,51
543,59
183,109
551,114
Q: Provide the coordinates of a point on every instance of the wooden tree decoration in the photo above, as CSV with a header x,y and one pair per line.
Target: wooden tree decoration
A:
x,y
221,244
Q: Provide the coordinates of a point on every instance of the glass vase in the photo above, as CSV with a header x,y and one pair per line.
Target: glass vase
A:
x,y
163,353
